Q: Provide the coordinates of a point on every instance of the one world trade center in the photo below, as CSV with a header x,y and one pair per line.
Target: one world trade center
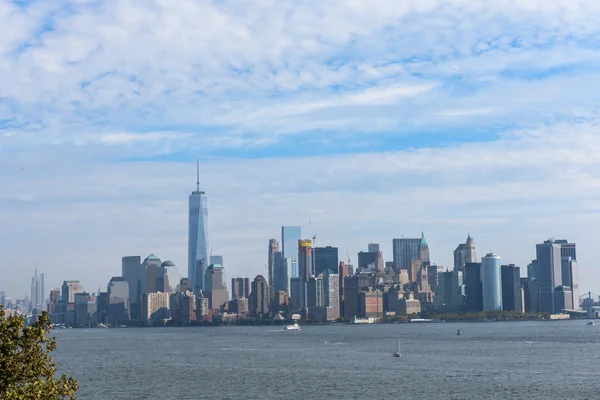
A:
x,y
197,236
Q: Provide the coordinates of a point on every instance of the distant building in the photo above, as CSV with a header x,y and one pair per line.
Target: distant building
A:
x,y
305,259
217,260
169,278
36,293
563,299
152,272
240,287
473,290
69,289
405,250
133,272
238,306
511,288
118,294
198,257
184,285
202,309
85,309
373,247
344,271
281,277
215,289
289,241
531,292
258,302
371,304
182,307
464,253
273,248
353,286
450,296
367,260
491,282
155,307
297,294
549,262
532,270
326,258
568,256
331,293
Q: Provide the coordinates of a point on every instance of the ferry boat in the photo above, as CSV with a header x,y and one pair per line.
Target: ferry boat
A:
x,y
357,320
292,327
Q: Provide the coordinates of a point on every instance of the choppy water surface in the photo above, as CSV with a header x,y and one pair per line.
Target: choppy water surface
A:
x,y
518,360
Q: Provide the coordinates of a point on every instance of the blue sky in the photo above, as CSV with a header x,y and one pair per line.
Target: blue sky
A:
x,y
372,119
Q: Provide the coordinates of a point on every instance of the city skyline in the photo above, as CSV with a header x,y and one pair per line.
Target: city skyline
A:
x,y
369,122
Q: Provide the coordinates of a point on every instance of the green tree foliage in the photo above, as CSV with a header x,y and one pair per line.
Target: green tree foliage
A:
x,y
26,367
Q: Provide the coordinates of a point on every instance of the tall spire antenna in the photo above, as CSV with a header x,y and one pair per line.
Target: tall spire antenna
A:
x,y
197,175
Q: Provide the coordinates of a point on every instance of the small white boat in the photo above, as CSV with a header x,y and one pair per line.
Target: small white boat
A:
x,y
369,320
397,352
292,327
102,326
591,323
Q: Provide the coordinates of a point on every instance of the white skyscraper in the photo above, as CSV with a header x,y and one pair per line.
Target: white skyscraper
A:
x,y
198,236
36,293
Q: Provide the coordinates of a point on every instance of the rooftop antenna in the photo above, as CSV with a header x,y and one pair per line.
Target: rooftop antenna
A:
x,y
197,175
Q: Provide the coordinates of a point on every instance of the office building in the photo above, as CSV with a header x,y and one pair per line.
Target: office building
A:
x,y
511,288
69,288
240,287
273,248
197,236
405,250
326,258
152,272
531,294
491,282
367,260
549,262
290,235
450,296
353,285
132,271
85,309
344,270
314,292
215,288
217,260
36,293
532,270
373,247
563,299
281,277
371,304
297,294
258,302
182,307
203,312
155,307
464,253
331,294
184,285
118,297
305,259
169,279
568,256
472,281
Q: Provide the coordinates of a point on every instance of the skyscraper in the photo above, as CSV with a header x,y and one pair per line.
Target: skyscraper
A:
x,y
240,287
305,259
151,274
511,288
472,280
289,240
464,253
169,278
36,293
217,260
281,277
326,258
132,271
118,294
491,282
273,248
367,259
568,257
373,247
69,288
197,235
405,250
549,265
258,303
215,287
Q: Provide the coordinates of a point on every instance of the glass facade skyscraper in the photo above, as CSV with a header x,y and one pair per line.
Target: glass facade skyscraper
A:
x,y
491,282
289,241
326,259
197,237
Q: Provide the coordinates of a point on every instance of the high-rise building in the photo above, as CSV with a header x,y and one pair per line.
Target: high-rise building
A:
x,y
36,293
367,260
314,292
151,274
549,262
472,281
169,279
511,288
132,271
353,285
563,298
197,235
273,248
305,259
240,288
450,292
281,277
370,304
531,289
464,253
85,308
155,307
215,288
491,282
258,303
331,294
405,250
568,256
217,260
289,241
69,288
373,247
183,307
326,258
202,309
532,270
118,295
297,294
